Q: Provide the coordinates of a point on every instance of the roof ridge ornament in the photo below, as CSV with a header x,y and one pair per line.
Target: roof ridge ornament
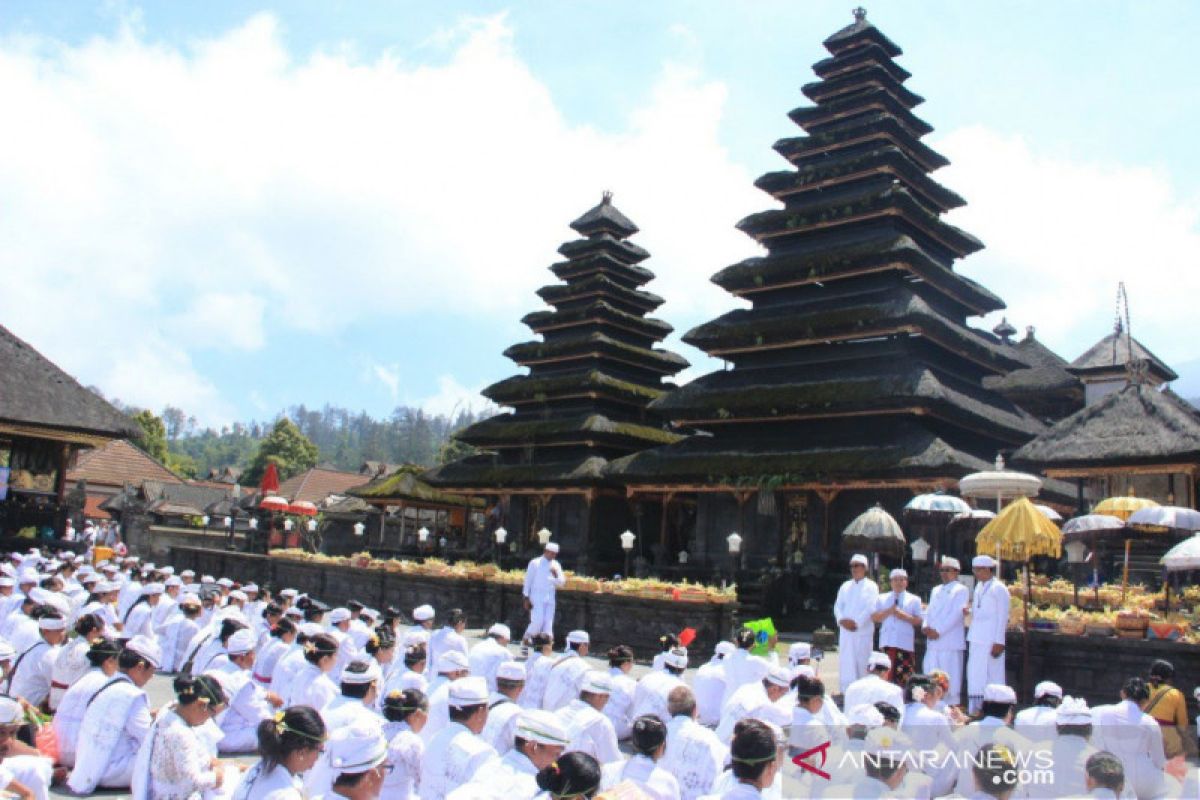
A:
x,y
606,198
860,14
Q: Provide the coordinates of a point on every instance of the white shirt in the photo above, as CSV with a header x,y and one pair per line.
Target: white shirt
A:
x,y
501,723
562,685
873,689
537,675
452,758
945,615
443,641
695,756
620,702
70,713
512,777
651,778
1134,737
30,678
543,576
926,728
708,684
405,752
650,696
485,658
749,701
70,665
589,732
1036,723
277,784
895,632
856,601
989,613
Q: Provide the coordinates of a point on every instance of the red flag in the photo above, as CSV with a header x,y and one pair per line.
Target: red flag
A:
x,y
687,636
270,480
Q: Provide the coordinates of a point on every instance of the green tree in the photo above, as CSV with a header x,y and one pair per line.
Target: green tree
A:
x,y
182,465
153,438
287,448
455,449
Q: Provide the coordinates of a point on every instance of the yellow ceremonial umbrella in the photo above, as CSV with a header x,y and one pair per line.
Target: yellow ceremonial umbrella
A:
x,y
1018,533
1123,507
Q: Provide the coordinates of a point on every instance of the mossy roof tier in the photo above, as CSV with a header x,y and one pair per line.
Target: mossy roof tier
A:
x,y
597,314
604,218
602,264
885,159
866,56
909,452
34,392
1045,372
1112,352
866,77
407,485
858,34
604,244
845,110
523,389
487,471
600,285
853,207
849,253
876,126
1138,425
513,430
813,322
594,345
838,389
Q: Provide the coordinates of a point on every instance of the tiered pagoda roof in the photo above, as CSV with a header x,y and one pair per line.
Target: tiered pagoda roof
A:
x,y
1109,357
591,375
1044,387
854,361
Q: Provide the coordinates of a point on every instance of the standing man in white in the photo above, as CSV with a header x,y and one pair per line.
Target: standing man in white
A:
x,y
542,579
856,632
945,634
986,631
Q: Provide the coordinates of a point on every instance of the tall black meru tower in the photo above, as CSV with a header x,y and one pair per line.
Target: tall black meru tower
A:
x,y
583,402
854,377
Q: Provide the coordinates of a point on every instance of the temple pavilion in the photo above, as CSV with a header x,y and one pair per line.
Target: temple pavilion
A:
x,y
583,402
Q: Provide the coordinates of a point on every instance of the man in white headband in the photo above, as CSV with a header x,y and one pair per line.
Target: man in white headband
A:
x,y
944,628
360,685
852,611
31,672
487,655
116,722
567,674
456,752
538,741
588,730
249,701
986,631
1036,723
353,764
898,615
757,699
543,577
503,706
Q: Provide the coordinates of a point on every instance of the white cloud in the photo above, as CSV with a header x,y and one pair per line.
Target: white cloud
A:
x,y
452,397
1061,233
170,190
389,376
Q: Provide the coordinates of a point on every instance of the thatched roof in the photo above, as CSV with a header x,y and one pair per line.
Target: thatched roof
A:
x,y
406,485
605,218
1136,425
910,451
487,471
1112,353
519,430
34,392
591,345
845,388
859,33
1045,371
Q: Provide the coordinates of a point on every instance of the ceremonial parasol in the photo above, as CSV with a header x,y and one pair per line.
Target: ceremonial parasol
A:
x,y
1018,533
875,531
1124,506
1164,518
1048,512
938,503
1183,556
302,507
274,503
1089,526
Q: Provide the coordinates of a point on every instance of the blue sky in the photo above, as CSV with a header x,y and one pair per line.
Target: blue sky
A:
x,y
233,207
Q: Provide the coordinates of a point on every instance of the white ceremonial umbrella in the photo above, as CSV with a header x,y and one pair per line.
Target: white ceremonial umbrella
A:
x,y
875,531
1048,512
1182,519
938,503
1183,556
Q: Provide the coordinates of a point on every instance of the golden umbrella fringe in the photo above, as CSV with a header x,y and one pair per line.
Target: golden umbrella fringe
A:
x,y
1018,533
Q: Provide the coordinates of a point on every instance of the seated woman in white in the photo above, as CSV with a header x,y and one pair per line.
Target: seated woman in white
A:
x,y
289,743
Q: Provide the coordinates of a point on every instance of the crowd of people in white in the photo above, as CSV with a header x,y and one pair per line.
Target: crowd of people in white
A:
x,y
359,703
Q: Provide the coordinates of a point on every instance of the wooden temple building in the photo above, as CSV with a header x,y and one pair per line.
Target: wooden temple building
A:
x,y
584,402
46,419
853,377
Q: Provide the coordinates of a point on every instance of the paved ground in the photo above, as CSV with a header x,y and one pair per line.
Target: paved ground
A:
x,y
161,693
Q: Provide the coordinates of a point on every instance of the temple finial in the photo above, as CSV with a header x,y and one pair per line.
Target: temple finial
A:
x,y
606,198
860,14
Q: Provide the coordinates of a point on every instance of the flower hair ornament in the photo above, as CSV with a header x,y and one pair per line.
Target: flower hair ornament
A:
x,y
310,647
919,694
280,727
